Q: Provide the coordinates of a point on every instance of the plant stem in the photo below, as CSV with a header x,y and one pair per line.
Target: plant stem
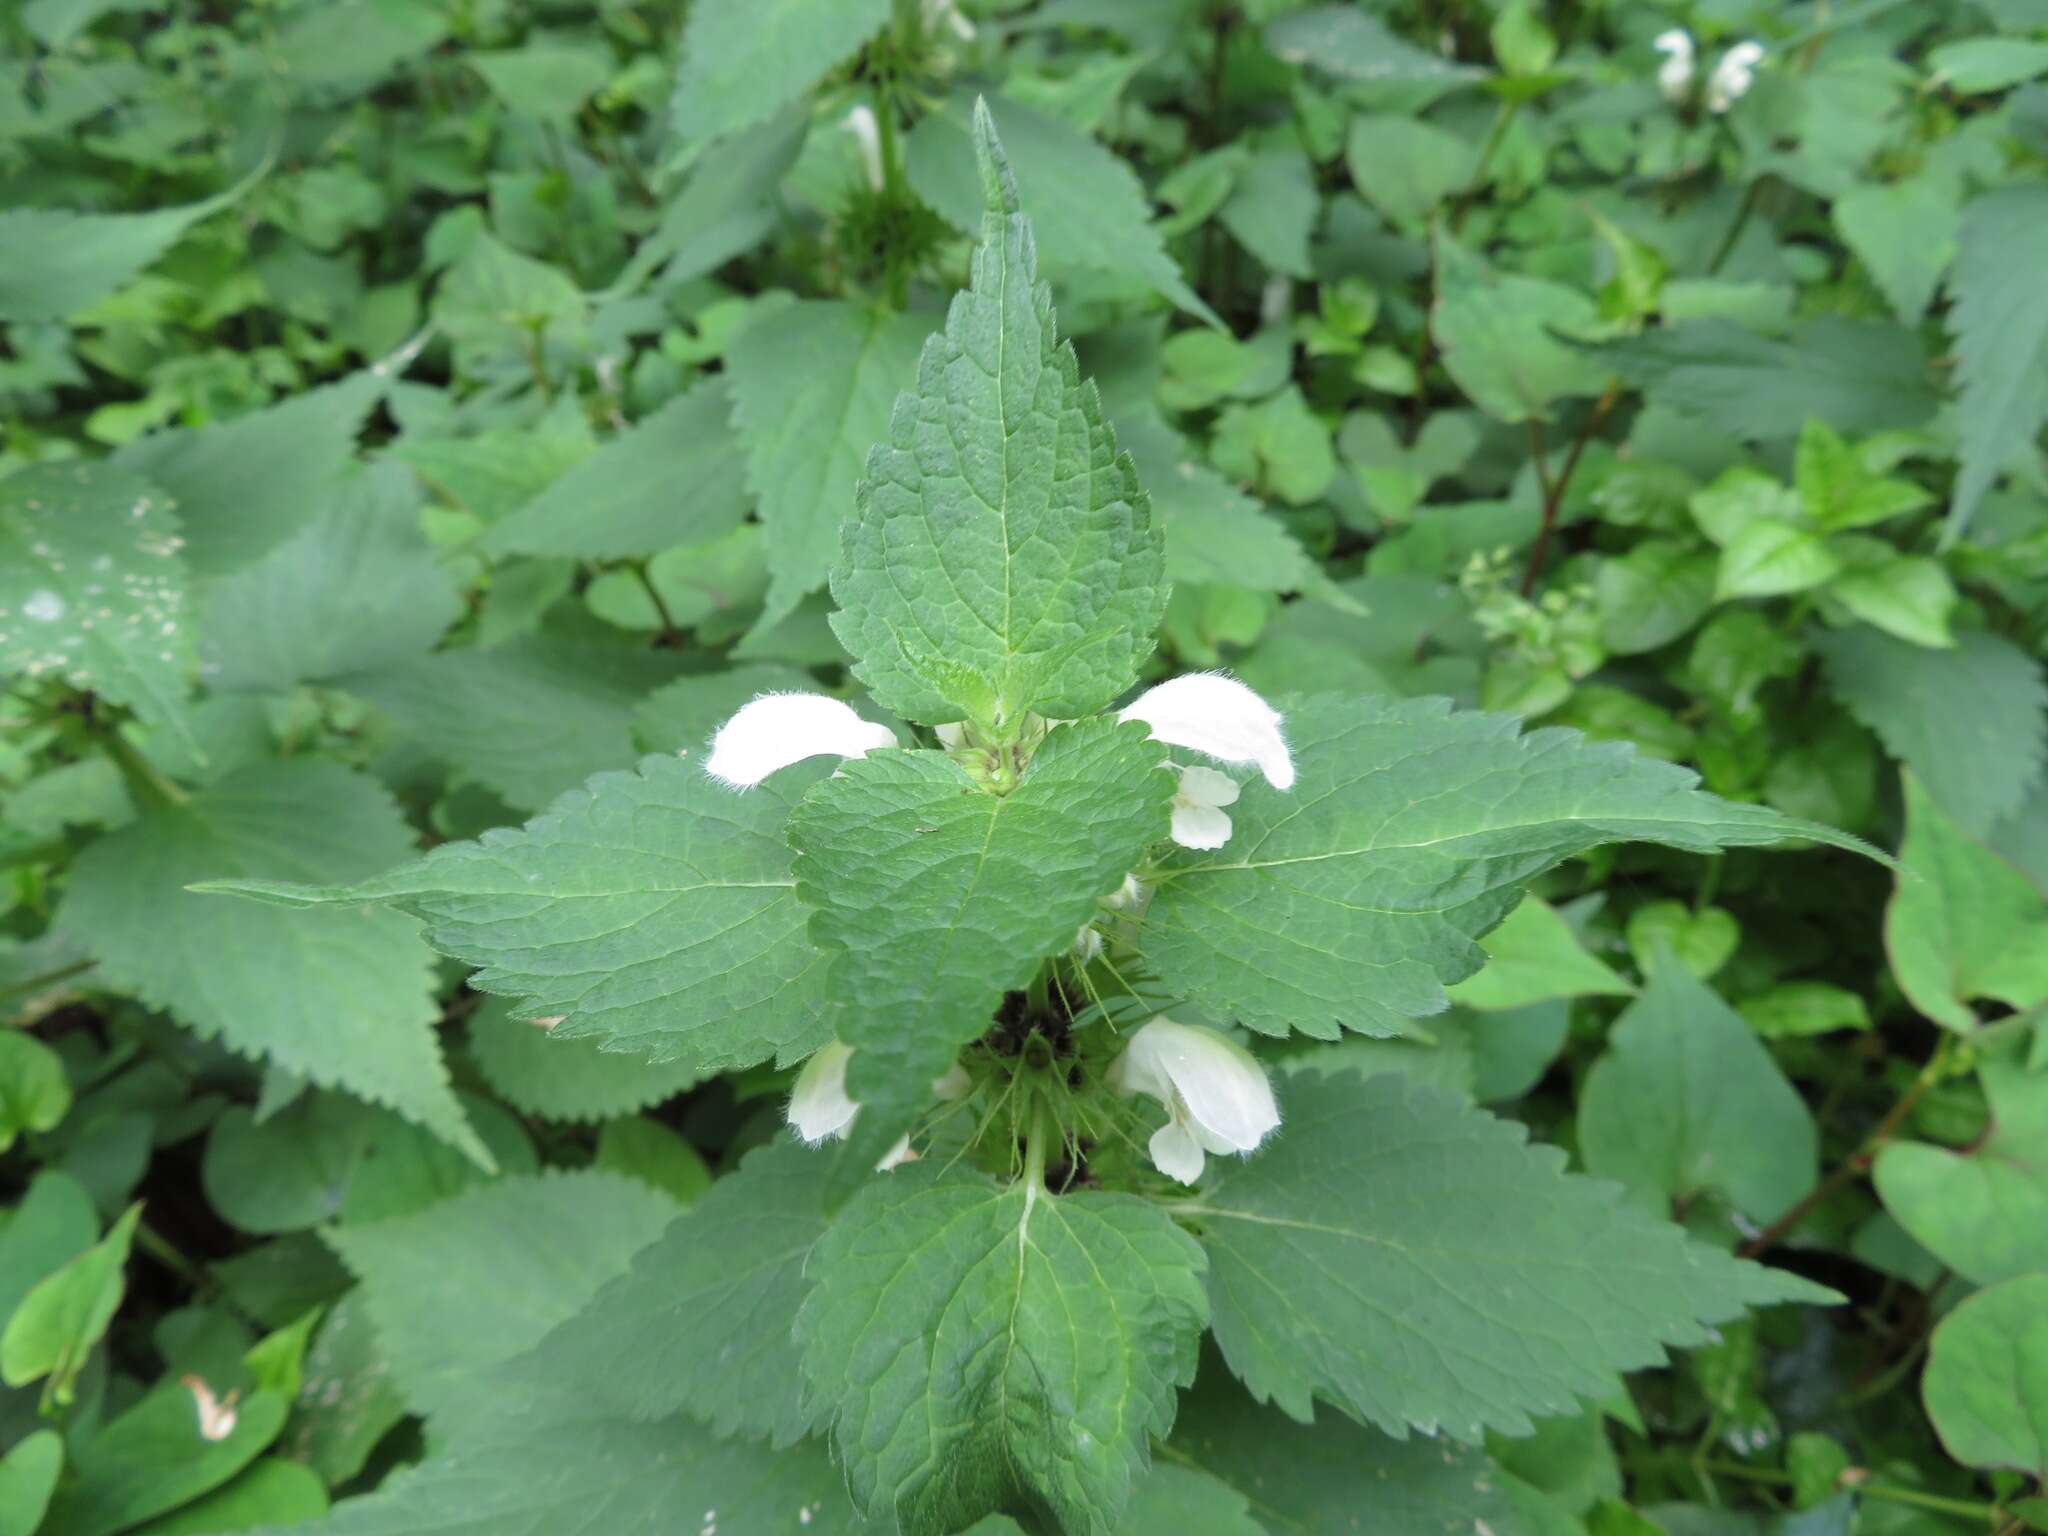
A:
x,y
1554,489
1860,1159
1969,1509
36,984
147,783
1034,1146
671,636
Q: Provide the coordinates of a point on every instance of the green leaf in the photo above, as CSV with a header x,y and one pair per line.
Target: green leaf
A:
x,y
344,999
652,910
1986,1385
1498,333
641,1148
674,478
92,588
1353,45
347,1403
1417,1264
246,486
937,896
550,81
1214,532
496,305
475,1281
1407,167
34,1093
986,1347
1909,596
1701,939
682,716
64,1315
812,386
2000,321
1089,209
1534,956
528,719
60,262
1273,209
1355,899
28,1476
1795,1008
272,1492
1767,558
1002,557
358,589
1983,1213
744,60
1969,722
1977,66
1905,233
702,1322
566,1080
1839,490
53,1223
1685,1099
1653,594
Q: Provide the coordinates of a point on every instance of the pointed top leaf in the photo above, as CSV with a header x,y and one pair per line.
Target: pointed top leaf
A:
x,y
998,181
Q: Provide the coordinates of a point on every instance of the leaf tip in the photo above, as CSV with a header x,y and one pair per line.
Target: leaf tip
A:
x,y
998,182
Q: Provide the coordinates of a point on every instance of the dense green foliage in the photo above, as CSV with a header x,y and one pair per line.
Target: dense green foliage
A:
x,y
1609,435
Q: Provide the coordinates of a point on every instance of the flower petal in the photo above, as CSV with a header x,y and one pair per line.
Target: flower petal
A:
x,y
1216,1083
818,1105
1200,826
778,729
1205,786
1217,715
1176,1153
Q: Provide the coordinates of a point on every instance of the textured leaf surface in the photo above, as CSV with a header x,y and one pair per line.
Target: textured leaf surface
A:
x,y
470,1282
342,998
1419,1264
704,1322
982,1345
1498,333
60,262
940,897
1970,722
1353,900
1984,1213
653,909
1987,1378
1685,1099
745,59
675,478
570,1080
2000,319
1534,956
529,718
92,589
359,589
812,385
1002,557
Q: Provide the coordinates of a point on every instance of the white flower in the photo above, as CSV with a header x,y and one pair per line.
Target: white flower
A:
x,y
1674,75
947,13
778,729
1216,1095
1219,717
860,122
1733,76
1125,896
216,1415
1198,819
1087,944
818,1105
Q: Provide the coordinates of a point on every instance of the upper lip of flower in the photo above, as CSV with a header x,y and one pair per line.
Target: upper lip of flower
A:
x,y
773,730
1218,716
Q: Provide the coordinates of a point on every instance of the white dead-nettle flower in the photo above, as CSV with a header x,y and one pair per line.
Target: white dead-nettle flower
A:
x,y
1216,1095
1216,715
216,1415
1734,75
1198,817
1126,896
778,729
1087,943
1674,75
867,133
821,1111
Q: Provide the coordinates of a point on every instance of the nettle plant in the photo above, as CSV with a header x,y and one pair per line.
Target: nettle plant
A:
x,y
1055,969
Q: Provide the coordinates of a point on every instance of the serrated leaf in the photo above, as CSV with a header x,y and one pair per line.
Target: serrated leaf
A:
x,y
1214,532
1352,901
1653,594
1419,1265
744,60
1972,722
2000,321
571,1080
1349,43
1002,557
1685,1099
986,1347
1769,558
936,897
92,588
1905,233
1406,167
812,386
1983,1213
673,478
60,262
703,1322
654,910
1986,1385
528,718
1498,333
344,999
246,486
359,588
472,1282
1532,957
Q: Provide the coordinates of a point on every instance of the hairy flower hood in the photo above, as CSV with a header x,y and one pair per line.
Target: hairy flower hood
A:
x,y
1216,1094
1216,715
777,729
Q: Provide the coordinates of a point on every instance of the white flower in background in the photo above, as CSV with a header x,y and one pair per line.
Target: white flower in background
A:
x,y
1674,75
1198,819
947,13
1125,896
1087,944
821,1111
1733,76
1216,1095
1219,717
860,122
778,729
216,1415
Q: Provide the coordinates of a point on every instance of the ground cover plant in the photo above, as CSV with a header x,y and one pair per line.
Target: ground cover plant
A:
x,y
1065,767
